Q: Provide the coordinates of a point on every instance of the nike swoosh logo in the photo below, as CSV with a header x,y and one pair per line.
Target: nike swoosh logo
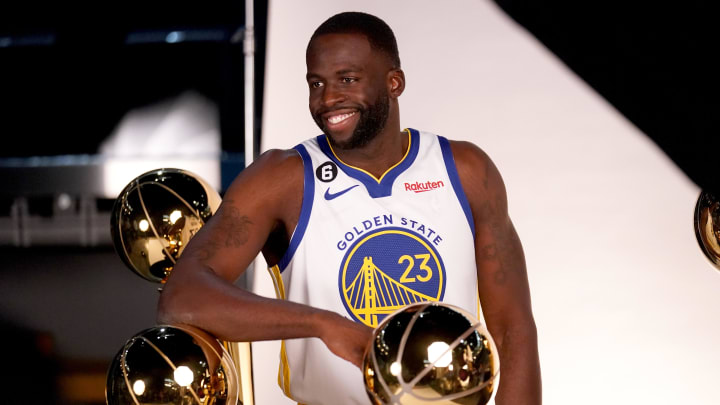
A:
x,y
331,196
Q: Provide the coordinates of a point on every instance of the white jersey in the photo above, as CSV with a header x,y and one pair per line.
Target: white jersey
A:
x,y
365,247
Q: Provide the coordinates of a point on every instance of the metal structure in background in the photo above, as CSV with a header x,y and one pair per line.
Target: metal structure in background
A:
x,y
249,52
100,73
59,197
241,352
52,201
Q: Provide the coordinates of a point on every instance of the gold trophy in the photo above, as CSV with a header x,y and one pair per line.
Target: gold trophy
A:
x,y
431,353
172,365
152,221
707,226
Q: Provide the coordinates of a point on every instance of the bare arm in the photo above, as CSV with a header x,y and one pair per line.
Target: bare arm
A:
x,y
502,278
266,197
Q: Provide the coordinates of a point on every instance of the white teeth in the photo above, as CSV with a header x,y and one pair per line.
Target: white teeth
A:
x,y
342,117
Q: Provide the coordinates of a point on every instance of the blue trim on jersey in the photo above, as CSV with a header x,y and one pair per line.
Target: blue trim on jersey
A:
x,y
307,203
455,180
375,188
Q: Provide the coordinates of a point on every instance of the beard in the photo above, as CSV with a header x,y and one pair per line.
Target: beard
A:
x,y
372,121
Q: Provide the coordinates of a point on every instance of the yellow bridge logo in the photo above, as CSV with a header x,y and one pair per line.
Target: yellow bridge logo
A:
x,y
387,270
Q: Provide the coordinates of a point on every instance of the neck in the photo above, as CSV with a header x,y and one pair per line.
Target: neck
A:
x,y
380,154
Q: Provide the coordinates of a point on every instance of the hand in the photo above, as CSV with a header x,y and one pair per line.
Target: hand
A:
x,y
347,339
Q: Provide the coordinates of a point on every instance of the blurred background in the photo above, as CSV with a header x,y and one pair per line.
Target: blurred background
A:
x,y
602,119
89,100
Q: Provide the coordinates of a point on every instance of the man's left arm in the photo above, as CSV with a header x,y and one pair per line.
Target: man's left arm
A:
x,y
502,278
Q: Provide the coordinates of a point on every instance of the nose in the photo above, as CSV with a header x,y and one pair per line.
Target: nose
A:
x,y
332,96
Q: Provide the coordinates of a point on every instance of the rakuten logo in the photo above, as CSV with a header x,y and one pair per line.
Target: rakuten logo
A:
x,y
422,187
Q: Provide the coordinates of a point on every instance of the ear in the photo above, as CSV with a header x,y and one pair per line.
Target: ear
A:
x,y
396,82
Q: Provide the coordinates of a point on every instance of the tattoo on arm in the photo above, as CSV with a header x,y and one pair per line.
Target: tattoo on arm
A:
x,y
206,251
235,227
232,231
499,251
489,251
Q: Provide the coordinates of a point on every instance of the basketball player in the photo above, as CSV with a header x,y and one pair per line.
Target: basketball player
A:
x,y
356,223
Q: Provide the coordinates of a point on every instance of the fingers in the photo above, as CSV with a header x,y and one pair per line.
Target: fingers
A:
x,y
349,340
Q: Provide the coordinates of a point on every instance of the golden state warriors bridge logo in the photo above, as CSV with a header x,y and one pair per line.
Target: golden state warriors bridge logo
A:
x,y
386,269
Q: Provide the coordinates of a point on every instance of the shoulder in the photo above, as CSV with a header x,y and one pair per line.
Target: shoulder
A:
x,y
274,158
274,176
480,178
467,153
278,165
473,163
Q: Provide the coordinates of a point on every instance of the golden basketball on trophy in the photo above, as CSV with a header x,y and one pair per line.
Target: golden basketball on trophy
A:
x,y
152,221
431,353
172,365
155,216
707,226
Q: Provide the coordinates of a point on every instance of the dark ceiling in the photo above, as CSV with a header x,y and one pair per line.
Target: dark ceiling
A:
x,y
654,61
69,76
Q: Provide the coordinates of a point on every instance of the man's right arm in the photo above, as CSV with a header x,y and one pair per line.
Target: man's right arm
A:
x,y
200,290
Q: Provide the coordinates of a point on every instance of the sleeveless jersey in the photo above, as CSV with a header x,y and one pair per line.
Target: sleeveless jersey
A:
x,y
365,247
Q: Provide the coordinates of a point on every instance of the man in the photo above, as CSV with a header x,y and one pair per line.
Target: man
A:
x,y
356,222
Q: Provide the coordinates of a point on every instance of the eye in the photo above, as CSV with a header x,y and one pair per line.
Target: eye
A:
x,y
348,80
315,85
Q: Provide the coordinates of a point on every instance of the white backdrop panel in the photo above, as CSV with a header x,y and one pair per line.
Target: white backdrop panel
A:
x,y
625,303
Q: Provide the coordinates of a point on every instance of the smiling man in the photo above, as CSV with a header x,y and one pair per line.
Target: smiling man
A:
x,y
356,223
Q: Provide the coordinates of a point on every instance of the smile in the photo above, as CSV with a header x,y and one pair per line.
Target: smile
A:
x,y
335,119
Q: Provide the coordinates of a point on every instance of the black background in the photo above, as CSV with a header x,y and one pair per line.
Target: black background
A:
x,y
654,61
65,96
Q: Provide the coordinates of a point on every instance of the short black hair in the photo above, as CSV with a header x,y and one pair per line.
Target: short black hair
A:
x,y
378,33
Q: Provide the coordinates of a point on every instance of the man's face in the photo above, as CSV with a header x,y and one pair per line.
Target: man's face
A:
x,y
348,88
